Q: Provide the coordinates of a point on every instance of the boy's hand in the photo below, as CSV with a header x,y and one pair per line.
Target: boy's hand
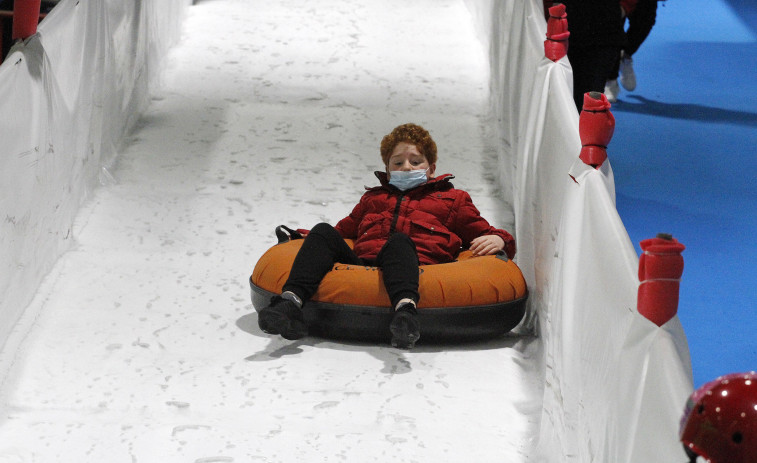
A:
x,y
487,244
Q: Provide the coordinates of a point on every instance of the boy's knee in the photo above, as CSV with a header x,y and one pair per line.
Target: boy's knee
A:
x,y
398,244
323,228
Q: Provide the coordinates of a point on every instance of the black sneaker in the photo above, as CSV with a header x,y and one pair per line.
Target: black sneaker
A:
x,y
282,317
405,327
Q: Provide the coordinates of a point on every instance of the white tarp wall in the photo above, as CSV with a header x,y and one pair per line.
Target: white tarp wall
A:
x,y
615,384
68,95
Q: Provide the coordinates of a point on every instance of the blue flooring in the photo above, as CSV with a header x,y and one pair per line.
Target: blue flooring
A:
x,y
684,156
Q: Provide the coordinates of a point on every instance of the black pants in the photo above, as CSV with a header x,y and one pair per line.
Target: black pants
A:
x,y
324,246
591,66
640,24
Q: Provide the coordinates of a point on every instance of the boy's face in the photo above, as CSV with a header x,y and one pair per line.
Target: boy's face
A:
x,y
406,156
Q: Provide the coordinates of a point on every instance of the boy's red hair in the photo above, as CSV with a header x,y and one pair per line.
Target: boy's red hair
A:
x,y
409,133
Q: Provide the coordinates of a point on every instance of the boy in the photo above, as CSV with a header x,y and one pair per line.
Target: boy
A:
x,y
412,218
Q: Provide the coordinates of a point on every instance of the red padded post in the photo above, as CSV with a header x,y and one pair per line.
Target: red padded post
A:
x,y
660,270
25,18
595,127
556,45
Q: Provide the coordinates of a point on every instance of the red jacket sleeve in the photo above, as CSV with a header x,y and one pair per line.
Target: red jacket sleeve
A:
x,y
347,227
469,225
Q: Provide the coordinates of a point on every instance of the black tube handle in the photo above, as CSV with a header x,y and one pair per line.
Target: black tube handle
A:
x,y
284,234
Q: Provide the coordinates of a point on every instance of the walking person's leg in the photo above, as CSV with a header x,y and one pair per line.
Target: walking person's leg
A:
x,y
640,24
578,61
591,66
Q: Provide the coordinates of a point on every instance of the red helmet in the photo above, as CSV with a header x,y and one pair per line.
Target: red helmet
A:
x,y
720,421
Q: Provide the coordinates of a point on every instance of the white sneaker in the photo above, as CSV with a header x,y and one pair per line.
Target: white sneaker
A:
x,y
612,90
627,76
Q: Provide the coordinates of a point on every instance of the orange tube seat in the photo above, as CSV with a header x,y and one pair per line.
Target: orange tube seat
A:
x,y
471,298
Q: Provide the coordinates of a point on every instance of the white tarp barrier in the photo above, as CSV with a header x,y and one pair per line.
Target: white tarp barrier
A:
x,y
68,95
615,384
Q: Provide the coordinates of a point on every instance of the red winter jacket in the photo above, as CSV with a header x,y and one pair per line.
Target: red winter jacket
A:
x,y
437,217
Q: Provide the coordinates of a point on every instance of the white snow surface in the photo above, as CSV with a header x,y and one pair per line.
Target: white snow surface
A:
x,y
142,345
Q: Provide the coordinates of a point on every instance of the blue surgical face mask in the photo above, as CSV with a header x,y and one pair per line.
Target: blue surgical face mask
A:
x,y
407,179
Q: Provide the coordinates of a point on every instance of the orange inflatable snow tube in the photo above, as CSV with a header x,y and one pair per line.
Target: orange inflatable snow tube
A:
x,y
471,298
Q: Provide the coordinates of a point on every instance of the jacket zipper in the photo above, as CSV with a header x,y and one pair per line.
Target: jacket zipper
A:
x,y
396,217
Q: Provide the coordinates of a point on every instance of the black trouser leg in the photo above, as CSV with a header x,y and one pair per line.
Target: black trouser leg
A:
x,y
398,260
640,24
322,247
591,66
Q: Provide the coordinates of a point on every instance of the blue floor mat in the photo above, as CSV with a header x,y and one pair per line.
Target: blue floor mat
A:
x,y
685,161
